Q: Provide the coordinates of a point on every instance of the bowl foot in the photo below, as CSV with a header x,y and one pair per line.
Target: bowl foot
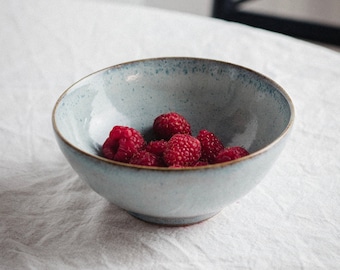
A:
x,y
173,221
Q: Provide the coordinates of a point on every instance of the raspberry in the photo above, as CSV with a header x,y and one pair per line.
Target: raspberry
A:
x,y
146,158
122,143
210,144
201,163
174,148
182,150
168,124
157,147
231,153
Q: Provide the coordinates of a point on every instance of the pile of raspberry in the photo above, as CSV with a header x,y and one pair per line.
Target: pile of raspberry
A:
x,y
174,147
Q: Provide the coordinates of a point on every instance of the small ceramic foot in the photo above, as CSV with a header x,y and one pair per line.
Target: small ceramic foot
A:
x,y
173,221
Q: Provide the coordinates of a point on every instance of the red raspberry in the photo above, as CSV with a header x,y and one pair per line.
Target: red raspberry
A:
x,y
201,163
231,153
157,147
168,124
146,158
122,143
182,150
210,144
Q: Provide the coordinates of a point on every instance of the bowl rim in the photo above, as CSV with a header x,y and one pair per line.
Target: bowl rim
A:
x,y
283,134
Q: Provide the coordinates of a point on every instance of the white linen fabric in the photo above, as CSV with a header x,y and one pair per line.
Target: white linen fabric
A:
x,y
50,219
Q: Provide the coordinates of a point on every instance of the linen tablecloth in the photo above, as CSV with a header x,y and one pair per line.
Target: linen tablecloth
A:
x,y
50,219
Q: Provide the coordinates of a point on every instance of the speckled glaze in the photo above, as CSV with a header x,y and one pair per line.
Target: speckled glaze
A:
x,y
241,106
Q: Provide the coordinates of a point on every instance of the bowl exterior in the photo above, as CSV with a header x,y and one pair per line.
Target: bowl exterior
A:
x,y
179,197
242,106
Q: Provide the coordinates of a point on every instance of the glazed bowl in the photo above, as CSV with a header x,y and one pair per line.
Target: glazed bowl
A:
x,y
241,106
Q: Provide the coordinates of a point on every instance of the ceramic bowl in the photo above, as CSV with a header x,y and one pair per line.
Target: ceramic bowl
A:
x,y
240,106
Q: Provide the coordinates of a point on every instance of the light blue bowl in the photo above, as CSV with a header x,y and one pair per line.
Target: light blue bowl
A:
x,y
239,105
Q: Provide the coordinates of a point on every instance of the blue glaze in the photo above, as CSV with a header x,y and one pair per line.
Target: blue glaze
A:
x,y
239,105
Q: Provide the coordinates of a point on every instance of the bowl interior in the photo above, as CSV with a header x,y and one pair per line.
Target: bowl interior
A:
x,y
240,106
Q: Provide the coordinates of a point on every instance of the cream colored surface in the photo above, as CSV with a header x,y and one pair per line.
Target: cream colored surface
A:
x,y
52,220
